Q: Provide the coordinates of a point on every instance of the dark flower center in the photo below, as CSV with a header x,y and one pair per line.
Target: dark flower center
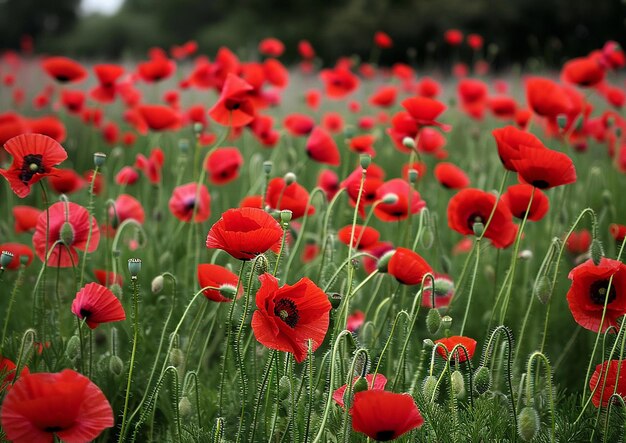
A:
x,y
53,429
385,435
598,292
232,104
85,313
541,184
287,311
31,165
62,78
475,217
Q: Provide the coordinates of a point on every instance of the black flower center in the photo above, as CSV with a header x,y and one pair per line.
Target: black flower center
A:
x,y
287,311
598,292
475,217
31,165
385,435
541,184
53,429
85,313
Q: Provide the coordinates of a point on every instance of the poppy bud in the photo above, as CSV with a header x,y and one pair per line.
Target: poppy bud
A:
x,y
284,388
267,167
285,215
365,160
427,344
134,267
490,273
335,299
390,199
428,237
478,228
228,291
526,254
23,259
482,380
184,407
67,234
607,196
528,423
446,321
262,265
176,357
348,132
183,146
99,159
429,387
561,120
543,289
383,262
72,350
458,384
579,122
290,178
408,142
116,290
433,321
116,365
618,132
413,175
596,251
360,385
5,259
157,284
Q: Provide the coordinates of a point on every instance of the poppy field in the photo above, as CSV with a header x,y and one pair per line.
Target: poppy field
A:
x,y
227,248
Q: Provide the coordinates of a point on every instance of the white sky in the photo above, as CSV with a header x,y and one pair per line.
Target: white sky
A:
x,y
107,7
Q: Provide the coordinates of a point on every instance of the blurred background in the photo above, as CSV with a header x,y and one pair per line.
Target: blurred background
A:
x,y
514,30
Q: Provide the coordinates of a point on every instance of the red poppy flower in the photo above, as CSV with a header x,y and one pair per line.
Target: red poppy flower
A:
x,y
604,381
25,218
126,206
408,267
159,117
579,242
151,167
271,47
384,415
402,126
276,73
263,128
427,87
363,238
472,90
245,233
400,209
252,201
503,107
65,181
618,232
546,98
218,277
321,147
108,278
378,383
155,70
223,165
544,168
363,144
299,124
288,316
425,111
339,82
7,371
583,71
69,222
66,404
382,40
384,97
74,101
234,107
189,198
11,125
329,182
588,293
355,321
310,251
34,157
509,139
377,250
453,37
293,197
108,74
373,181
18,250
96,304
451,176
126,176
48,125
471,205
517,198
305,50
333,122
475,41
444,291
450,342
64,70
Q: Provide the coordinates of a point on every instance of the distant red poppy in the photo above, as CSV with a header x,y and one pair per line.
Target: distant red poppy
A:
x,y
453,37
7,370
402,126
382,40
74,101
65,181
276,73
245,233
373,181
503,106
377,250
48,125
583,71
218,277
408,267
378,383
384,97
126,207
472,90
450,342
444,291
509,139
127,176
546,98
400,209
271,47
588,293
604,381
159,117
11,125
223,165
108,74
544,168
156,69
288,316
69,222
321,147
618,232
64,70
96,304
579,241
189,201
339,82
363,144
427,87
517,198
451,176
363,238
475,41
18,250
299,124
252,201
151,166
234,107
310,251
66,404
34,157
471,205
306,50
293,197
355,320
329,182
25,218
425,111
384,415
108,278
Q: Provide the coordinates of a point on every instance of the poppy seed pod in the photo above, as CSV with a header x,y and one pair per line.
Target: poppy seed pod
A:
x,y
267,166
183,145
478,228
5,259
390,199
365,160
285,216
134,267
446,322
413,175
335,299
99,158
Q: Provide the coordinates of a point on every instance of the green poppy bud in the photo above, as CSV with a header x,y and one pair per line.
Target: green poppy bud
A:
x,y
482,380
433,321
528,423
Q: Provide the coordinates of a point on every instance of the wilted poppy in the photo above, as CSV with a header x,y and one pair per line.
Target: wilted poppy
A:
x,y
604,381
589,293
289,316
96,304
408,267
450,342
190,201
451,176
34,157
245,233
217,277
372,383
384,415
66,404
293,197
223,165
321,147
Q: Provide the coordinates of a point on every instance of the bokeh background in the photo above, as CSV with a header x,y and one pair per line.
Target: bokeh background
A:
x,y
515,30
